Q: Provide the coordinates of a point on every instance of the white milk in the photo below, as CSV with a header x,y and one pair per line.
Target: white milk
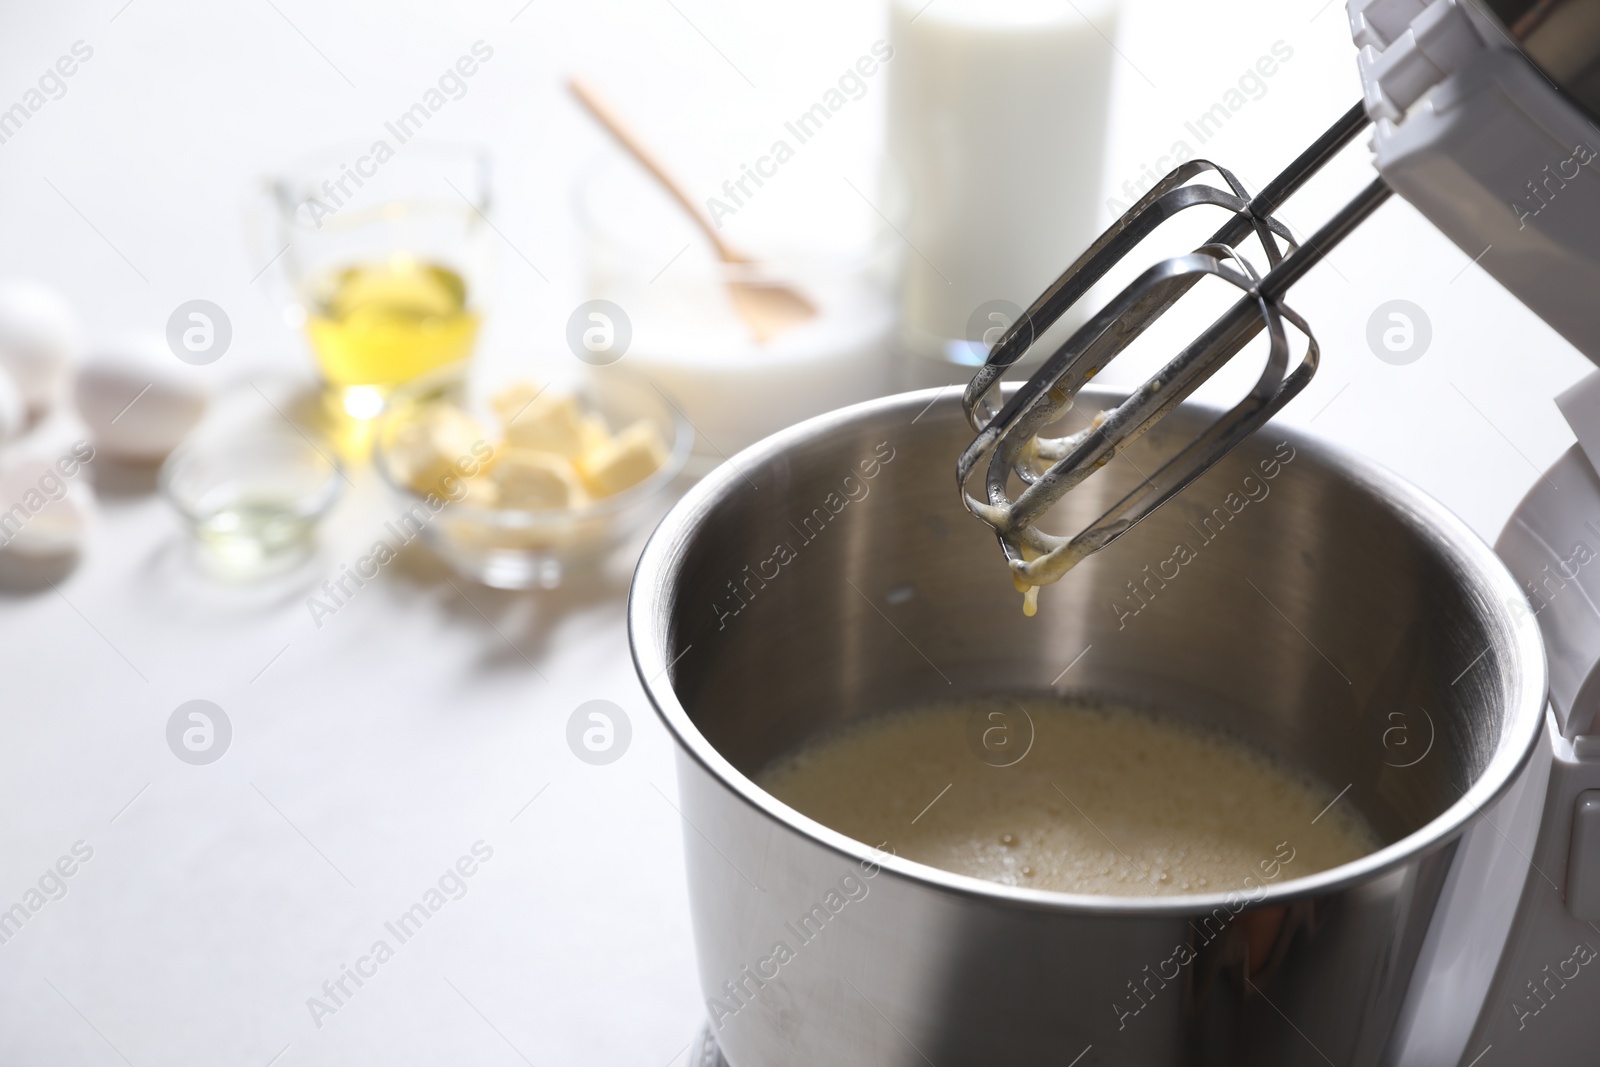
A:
x,y
997,122
1106,801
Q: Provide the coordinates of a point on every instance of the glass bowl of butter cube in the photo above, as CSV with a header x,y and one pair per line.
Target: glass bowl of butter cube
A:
x,y
518,484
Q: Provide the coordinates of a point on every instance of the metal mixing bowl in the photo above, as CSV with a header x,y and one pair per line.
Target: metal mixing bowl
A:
x,y
830,572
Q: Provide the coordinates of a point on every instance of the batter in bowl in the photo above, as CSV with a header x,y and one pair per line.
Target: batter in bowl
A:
x,y
1089,798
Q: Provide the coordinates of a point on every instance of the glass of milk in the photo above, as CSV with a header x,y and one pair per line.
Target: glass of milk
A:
x,y
997,120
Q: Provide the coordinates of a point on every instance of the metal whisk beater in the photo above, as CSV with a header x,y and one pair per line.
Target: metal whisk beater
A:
x,y
1008,438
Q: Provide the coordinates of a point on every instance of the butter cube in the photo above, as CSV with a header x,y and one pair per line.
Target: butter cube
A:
x,y
509,402
594,433
624,461
534,481
482,492
543,422
440,441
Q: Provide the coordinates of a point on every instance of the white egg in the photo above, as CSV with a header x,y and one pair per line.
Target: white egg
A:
x,y
45,506
13,409
38,340
138,399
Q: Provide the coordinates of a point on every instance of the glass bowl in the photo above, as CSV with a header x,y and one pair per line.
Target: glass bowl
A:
x,y
252,497
643,255
512,548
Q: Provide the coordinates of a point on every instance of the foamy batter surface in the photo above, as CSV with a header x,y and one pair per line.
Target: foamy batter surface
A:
x,y
1107,800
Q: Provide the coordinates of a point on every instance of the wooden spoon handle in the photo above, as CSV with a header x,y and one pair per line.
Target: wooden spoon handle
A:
x,y
614,124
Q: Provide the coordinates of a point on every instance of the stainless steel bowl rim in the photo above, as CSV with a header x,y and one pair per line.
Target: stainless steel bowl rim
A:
x,y
657,569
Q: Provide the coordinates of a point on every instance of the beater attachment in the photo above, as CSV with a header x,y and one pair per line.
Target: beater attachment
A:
x,y
1047,468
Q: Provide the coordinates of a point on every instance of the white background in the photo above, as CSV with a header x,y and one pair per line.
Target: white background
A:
x,y
373,752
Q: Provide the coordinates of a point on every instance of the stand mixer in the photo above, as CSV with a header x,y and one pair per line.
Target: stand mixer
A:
x,y
1469,939
1484,117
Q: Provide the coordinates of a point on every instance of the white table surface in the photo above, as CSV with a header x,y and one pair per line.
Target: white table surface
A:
x,y
371,753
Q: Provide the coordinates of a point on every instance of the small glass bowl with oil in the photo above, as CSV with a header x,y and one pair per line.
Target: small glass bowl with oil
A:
x,y
252,498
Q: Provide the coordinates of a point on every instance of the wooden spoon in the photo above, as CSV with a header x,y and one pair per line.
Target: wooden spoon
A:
x,y
767,307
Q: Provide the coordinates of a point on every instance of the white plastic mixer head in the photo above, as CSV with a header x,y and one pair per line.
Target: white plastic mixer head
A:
x,y
1484,119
